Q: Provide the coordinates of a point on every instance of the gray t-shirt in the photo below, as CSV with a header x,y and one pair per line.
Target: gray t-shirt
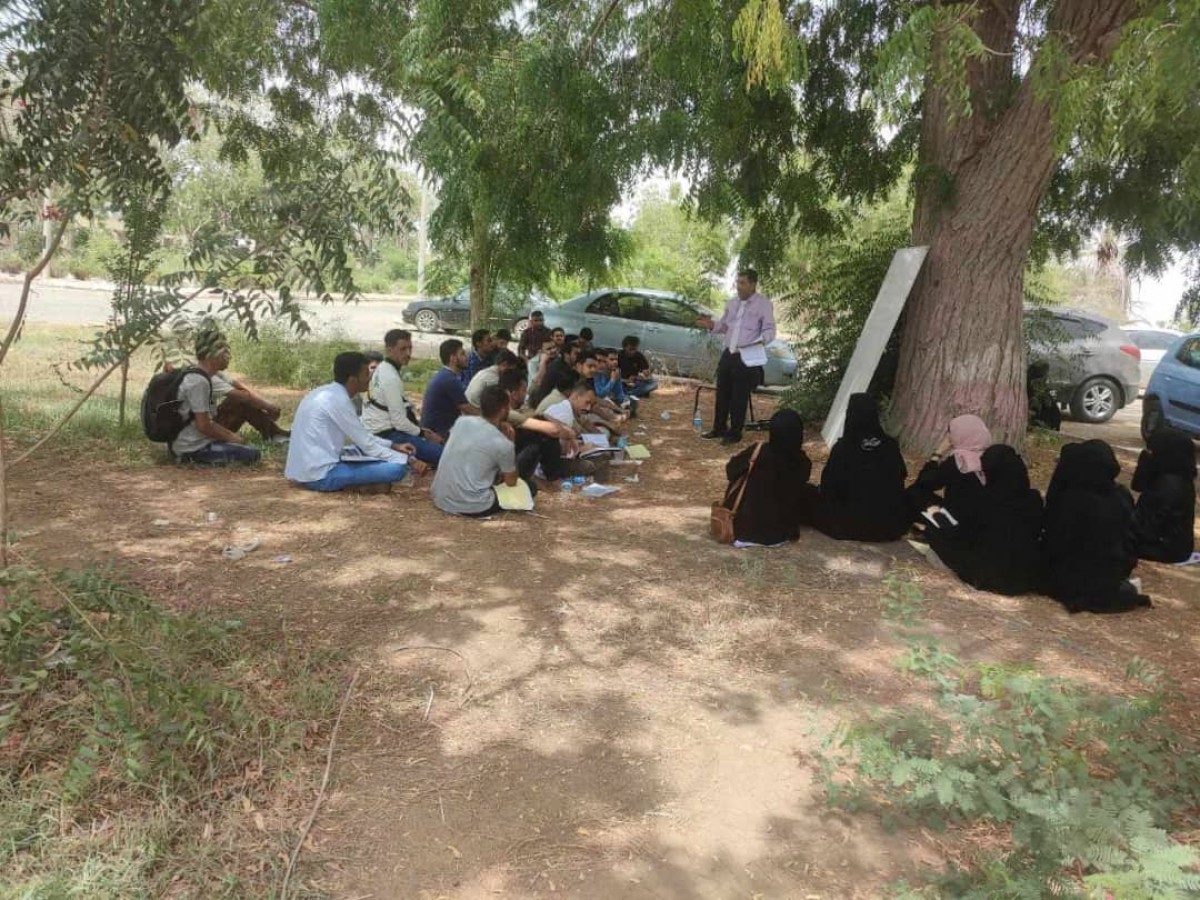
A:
x,y
475,455
197,396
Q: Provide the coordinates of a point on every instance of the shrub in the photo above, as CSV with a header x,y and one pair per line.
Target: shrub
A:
x,y
831,306
279,357
1084,786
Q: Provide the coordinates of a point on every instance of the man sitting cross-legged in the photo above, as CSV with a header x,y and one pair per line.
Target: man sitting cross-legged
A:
x,y
539,441
478,454
610,390
445,396
486,377
387,413
573,411
635,368
204,440
325,422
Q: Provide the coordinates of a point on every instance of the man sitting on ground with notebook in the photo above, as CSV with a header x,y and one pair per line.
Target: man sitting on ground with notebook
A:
x,y
635,368
573,411
387,413
325,423
539,441
445,396
479,454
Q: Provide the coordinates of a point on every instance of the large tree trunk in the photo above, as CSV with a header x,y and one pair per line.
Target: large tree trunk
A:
x,y
981,179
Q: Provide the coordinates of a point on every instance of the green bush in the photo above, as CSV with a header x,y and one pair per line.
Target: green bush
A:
x,y
279,357
1086,786
831,305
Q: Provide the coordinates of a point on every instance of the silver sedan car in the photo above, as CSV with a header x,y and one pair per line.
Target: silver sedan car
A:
x,y
666,325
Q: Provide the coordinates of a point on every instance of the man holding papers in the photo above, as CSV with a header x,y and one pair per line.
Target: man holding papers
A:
x,y
748,325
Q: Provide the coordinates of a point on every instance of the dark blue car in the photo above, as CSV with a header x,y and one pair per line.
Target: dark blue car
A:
x,y
1173,394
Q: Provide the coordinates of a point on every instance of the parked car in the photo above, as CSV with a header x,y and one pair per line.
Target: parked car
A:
x,y
1153,342
1093,363
510,309
1173,395
666,325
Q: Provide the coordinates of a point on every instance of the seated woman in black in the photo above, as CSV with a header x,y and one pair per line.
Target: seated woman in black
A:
x,y
777,497
1166,510
1088,542
995,546
862,485
1043,409
958,476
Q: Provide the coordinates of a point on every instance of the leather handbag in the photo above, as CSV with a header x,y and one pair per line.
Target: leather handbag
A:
x,y
720,520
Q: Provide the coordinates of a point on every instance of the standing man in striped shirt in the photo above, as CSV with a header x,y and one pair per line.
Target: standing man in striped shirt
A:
x,y
748,325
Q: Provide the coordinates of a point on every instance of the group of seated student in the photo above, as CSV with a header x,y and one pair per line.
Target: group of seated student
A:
x,y
973,504
216,406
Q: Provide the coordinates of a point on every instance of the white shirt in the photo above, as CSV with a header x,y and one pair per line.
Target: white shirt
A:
x,y
324,422
387,389
483,378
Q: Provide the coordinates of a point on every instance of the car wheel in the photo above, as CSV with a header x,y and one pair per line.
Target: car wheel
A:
x,y
1152,416
427,320
1096,401
518,328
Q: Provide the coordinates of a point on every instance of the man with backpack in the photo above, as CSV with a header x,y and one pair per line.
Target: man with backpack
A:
x,y
387,412
202,439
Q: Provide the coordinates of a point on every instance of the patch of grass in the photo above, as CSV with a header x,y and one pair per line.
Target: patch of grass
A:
x,y
143,751
1083,792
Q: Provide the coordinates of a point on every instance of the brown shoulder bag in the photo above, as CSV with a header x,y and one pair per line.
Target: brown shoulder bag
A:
x,y
720,520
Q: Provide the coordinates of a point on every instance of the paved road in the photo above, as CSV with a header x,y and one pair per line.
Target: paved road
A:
x,y
59,304
1123,431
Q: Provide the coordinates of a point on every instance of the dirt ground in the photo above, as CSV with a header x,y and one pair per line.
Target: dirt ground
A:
x,y
593,702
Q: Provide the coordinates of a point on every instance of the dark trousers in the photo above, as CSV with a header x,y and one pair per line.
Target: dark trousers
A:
x,y
534,448
735,381
234,412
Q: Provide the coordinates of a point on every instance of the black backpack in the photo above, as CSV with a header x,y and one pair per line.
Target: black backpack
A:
x,y
161,419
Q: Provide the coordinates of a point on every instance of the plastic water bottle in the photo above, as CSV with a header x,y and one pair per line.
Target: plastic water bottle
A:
x,y
622,443
697,422
566,486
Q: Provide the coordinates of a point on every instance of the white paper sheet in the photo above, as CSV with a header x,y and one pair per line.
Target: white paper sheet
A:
x,y
889,303
753,354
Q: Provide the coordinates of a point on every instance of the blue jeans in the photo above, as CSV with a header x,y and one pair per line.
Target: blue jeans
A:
x,y
219,453
427,450
642,387
344,475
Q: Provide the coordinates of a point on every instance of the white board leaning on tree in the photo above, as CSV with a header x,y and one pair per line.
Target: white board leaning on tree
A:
x,y
889,303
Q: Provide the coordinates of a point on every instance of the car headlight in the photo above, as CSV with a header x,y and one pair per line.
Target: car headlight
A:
x,y
780,351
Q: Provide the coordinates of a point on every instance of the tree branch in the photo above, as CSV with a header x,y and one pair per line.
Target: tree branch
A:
x,y
599,26
33,273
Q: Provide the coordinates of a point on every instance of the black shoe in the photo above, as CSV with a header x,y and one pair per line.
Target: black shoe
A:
x,y
730,439
712,435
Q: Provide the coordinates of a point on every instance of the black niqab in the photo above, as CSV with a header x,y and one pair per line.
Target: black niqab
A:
x,y
862,485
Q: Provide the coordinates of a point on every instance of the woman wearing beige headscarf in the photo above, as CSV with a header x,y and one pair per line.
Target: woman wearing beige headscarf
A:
x,y
953,477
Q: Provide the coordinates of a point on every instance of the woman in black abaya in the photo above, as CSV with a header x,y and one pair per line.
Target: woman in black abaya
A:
x,y
1166,510
862,485
1088,541
778,497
